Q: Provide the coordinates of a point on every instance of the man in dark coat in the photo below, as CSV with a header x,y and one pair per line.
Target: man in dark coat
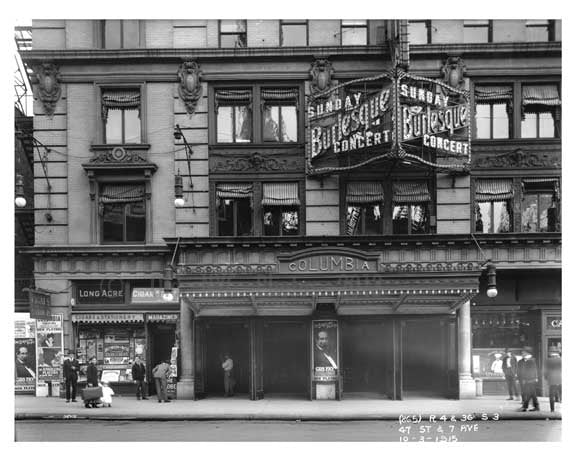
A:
x,y
509,367
528,377
139,377
92,373
553,374
70,371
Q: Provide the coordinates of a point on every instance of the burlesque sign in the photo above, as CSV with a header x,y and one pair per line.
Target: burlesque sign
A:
x,y
351,117
386,117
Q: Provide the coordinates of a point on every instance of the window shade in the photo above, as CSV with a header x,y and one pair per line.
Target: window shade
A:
x,y
410,192
121,193
233,96
120,99
280,194
283,95
493,94
234,190
364,192
539,184
540,98
493,190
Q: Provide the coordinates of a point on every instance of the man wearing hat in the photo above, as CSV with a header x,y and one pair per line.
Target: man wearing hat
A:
x,y
553,374
528,378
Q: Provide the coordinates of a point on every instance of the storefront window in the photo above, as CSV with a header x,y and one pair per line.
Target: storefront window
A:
x,y
115,348
493,333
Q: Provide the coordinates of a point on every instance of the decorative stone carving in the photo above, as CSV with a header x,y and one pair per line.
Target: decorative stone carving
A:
x,y
453,71
321,73
255,162
518,159
189,88
430,267
118,155
49,90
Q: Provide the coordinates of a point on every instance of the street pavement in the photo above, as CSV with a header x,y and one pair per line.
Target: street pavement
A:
x,y
285,431
493,408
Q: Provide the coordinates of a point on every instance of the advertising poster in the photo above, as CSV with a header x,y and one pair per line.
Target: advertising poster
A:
x,y
25,365
172,379
50,352
325,338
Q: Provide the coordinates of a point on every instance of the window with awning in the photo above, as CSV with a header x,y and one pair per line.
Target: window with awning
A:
x,y
540,205
493,205
364,208
121,115
234,115
280,108
493,104
410,213
540,111
281,206
235,209
122,208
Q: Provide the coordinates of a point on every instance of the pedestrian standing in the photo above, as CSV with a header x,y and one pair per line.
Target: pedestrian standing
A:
x,y
553,374
510,368
139,377
528,377
92,373
161,373
70,371
228,367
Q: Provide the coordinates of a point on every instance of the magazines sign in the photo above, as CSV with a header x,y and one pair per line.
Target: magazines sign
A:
x,y
325,346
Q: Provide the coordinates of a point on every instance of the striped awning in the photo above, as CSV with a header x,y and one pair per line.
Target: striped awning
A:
x,y
543,95
280,94
230,96
280,194
541,183
495,94
234,190
410,192
121,193
358,193
121,99
493,190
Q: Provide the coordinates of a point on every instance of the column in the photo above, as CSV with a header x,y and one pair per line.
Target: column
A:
x,y
466,383
185,386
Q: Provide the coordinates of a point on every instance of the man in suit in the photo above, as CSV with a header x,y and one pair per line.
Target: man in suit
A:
x,y
70,370
139,377
553,375
161,373
323,355
23,370
528,377
509,368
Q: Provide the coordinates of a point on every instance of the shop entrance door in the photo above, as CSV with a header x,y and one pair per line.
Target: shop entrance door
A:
x,y
367,358
232,338
162,338
286,360
424,358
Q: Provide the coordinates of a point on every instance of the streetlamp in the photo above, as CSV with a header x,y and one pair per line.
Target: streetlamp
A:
x,y
20,200
492,291
178,191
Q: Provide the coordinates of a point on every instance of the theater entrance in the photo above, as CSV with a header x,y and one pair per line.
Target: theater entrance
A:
x,y
367,358
286,358
213,340
428,358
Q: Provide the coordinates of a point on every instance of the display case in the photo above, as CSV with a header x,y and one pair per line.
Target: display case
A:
x,y
115,348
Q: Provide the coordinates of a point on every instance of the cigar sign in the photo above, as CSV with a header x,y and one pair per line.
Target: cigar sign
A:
x,y
388,116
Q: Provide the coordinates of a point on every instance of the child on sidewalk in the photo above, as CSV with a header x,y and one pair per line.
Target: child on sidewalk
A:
x,y
107,393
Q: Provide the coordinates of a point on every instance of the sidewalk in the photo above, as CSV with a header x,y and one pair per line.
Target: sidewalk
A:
x,y
240,408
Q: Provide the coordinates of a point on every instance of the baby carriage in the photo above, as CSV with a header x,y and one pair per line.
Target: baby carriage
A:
x,y
91,396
